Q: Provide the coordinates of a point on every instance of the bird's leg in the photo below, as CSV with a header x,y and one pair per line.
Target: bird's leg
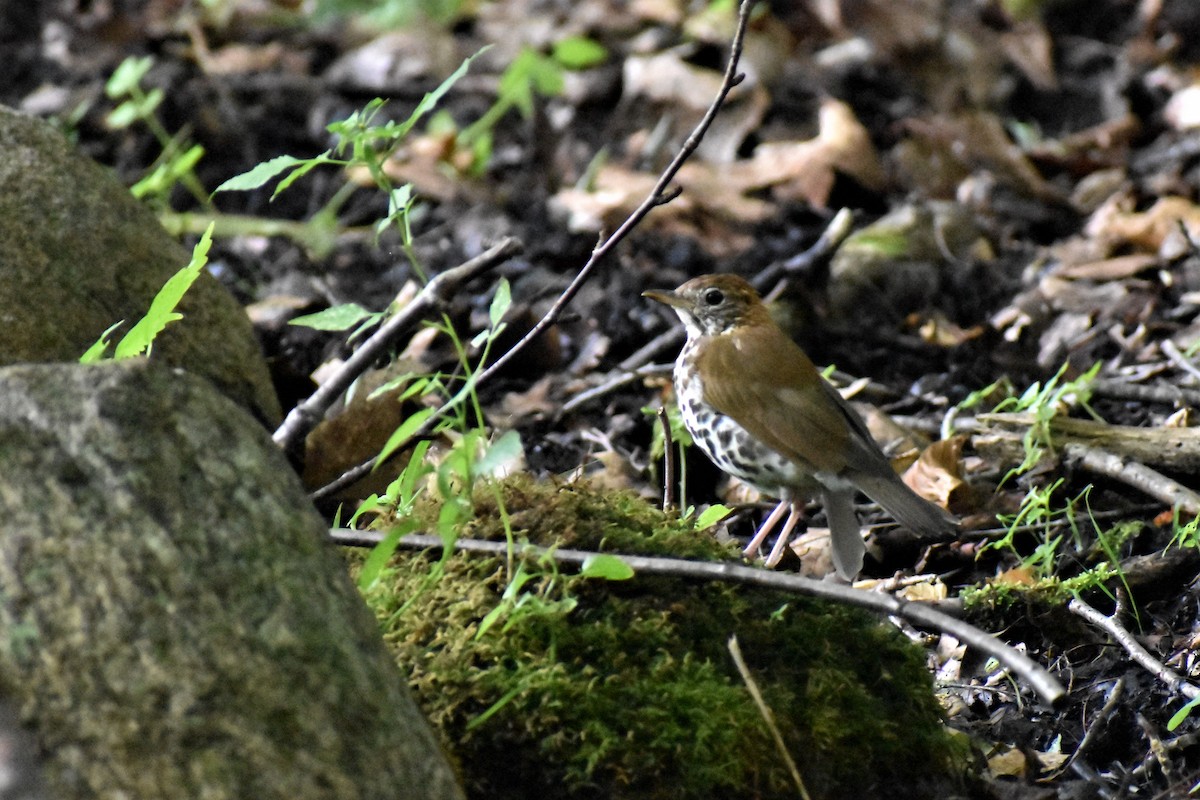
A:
x,y
765,529
785,534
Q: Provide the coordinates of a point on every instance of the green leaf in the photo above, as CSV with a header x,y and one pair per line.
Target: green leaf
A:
x,y
335,318
127,76
260,174
123,116
529,72
161,180
495,707
403,433
610,568
96,351
381,554
712,515
299,172
431,99
162,309
579,52
501,454
1179,716
501,301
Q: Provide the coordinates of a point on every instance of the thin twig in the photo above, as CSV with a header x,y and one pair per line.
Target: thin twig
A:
x,y
920,614
304,417
1139,476
1140,655
1177,358
1158,393
668,460
613,383
834,234
1110,705
735,651
671,336
658,196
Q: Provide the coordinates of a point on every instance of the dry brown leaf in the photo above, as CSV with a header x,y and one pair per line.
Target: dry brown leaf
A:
x,y
1117,224
1109,269
1019,576
663,12
937,475
902,445
709,202
1028,47
807,170
357,433
945,149
1008,762
938,330
930,591
518,406
812,548
1183,418
243,59
666,78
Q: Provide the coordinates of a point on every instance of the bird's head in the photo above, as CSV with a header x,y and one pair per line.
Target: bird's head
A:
x,y
714,304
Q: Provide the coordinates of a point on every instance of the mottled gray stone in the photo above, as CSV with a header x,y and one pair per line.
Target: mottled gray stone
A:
x,y
175,624
78,253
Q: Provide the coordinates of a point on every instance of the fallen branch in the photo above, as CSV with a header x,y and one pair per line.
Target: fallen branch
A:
x,y
1139,476
304,417
1175,449
1167,393
920,614
1140,655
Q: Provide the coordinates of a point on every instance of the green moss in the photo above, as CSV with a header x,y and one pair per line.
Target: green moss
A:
x,y
1043,593
626,689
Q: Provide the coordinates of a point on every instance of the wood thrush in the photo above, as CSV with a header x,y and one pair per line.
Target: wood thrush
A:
x,y
758,407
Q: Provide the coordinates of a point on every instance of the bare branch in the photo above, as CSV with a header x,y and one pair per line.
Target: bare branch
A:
x,y
304,417
1140,655
1139,476
735,652
920,614
658,195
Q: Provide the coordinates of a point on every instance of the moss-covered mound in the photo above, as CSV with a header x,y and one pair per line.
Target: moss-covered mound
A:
x,y
593,688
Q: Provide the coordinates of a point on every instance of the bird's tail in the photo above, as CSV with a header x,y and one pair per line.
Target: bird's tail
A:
x,y
845,539
909,508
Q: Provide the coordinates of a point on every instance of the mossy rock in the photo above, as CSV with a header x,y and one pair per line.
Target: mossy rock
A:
x,y
79,253
596,688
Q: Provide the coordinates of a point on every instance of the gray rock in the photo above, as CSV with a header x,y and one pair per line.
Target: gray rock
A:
x,y
78,253
175,623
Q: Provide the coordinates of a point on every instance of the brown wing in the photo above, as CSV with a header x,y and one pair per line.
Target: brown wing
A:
x,y
766,383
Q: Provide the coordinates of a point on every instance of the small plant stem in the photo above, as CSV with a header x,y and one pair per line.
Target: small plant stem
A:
x,y
918,613
735,652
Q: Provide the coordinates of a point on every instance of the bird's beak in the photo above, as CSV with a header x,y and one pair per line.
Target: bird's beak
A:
x,y
666,298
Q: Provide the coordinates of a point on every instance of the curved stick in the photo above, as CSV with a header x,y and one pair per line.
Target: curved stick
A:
x,y
921,614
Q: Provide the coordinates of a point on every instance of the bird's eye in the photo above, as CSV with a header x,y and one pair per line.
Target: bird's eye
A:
x,y
713,297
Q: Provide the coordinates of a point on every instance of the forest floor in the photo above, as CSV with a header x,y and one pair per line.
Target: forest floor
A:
x,y
1024,181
